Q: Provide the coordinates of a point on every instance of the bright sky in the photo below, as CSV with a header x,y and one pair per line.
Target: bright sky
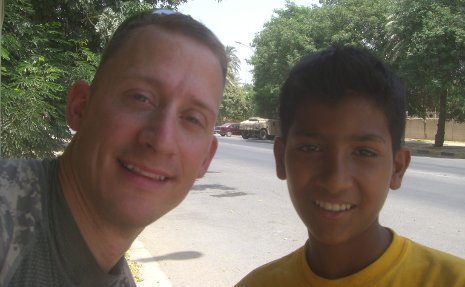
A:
x,y
236,21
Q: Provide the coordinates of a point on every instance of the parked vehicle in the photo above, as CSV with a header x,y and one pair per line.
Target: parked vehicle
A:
x,y
217,130
229,129
259,128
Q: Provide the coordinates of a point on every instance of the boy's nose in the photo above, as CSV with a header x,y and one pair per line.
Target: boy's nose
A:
x,y
335,174
159,133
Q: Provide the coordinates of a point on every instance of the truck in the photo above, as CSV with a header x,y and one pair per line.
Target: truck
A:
x,y
256,127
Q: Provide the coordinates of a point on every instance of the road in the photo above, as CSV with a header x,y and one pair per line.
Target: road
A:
x,y
239,215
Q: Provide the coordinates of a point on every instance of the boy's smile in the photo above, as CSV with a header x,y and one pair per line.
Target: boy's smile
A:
x,y
339,166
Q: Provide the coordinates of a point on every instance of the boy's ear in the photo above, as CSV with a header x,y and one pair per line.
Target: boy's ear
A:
x,y
78,98
401,163
278,149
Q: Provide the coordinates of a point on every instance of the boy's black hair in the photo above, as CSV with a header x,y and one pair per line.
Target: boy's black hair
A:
x,y
332,74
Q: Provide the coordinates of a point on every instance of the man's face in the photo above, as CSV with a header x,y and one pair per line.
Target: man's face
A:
x,y
145,129
339,166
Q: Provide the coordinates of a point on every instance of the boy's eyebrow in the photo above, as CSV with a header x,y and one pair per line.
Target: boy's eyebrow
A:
x,y
369,137
304,133
359,138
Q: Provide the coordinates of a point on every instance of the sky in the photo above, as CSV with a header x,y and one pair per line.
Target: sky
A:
x,y
235,22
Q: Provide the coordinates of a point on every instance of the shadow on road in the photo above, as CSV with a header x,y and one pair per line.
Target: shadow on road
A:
x,y
230,194
202,187
182,255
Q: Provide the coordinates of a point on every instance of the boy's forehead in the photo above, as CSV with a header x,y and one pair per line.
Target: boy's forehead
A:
x,y
318,112
348,100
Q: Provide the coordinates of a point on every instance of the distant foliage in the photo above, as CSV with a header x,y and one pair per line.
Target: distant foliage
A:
x,y
236,105
424,40
46,46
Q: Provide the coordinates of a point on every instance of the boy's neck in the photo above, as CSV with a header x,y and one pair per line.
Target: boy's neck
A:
x,y
337,261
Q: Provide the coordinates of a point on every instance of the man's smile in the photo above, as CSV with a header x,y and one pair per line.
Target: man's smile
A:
x,y
142,172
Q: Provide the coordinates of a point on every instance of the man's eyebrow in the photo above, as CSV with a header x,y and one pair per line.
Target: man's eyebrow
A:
x,y
135,75
202,105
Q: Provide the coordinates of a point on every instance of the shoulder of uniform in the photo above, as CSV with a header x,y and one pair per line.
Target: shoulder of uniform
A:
x,y
20,206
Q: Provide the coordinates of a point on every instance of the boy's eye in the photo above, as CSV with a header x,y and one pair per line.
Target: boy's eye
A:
x,y
309,148
366,152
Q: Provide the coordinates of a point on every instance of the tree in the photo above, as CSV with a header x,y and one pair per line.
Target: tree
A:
x,y
423,40
35,69
47,45
2,14
235,105
284,39
355,22
234,64
296,31
429,52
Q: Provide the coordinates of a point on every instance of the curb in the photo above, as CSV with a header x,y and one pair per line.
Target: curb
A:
x,y
438,153
149,269
425,148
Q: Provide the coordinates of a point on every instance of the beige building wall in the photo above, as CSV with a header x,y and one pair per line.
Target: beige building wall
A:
x,y
417,128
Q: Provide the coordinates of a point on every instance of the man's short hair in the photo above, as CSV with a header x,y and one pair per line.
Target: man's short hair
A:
x,y
170,21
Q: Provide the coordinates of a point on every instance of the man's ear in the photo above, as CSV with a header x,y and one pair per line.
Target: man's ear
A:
x,y
209,157
78,98
401,163
278,149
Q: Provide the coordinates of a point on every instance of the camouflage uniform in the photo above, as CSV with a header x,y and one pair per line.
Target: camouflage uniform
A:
x,y
40,244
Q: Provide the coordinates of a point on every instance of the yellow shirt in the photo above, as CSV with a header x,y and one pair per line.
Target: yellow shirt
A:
x,y
404,263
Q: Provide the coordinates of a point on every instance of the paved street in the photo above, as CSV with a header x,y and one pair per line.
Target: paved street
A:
x,y
239,216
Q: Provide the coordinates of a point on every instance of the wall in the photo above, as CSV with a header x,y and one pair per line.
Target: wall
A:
x,y
418,128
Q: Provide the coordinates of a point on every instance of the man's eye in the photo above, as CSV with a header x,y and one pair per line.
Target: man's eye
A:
x,y
195,120
140,98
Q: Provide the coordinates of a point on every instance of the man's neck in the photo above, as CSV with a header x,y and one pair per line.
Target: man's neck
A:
x,y
106,241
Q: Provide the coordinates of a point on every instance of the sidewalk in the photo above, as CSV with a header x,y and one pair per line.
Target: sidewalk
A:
x,y
425,148
149,269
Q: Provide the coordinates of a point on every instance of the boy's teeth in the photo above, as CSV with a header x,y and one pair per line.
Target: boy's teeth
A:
x,y
333,206
144,173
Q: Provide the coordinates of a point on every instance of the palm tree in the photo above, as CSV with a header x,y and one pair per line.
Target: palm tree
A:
x,y
234,65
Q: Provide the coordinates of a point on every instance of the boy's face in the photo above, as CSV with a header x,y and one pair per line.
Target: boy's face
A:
x,y
339,166
145,132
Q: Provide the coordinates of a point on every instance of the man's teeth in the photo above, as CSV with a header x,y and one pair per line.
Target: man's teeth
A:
x,y
333,206
144,173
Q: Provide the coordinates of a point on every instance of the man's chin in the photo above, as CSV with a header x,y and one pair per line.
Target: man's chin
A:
x,y
138,219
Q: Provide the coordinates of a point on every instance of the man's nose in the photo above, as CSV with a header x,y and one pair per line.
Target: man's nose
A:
x,y
159,132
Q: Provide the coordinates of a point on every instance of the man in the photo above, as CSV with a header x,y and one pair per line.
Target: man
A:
x,y
143,135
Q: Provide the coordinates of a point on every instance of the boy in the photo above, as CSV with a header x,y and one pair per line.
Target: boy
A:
x,y
342,117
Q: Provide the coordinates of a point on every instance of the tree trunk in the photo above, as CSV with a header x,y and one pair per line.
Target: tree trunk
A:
x,y
439,138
